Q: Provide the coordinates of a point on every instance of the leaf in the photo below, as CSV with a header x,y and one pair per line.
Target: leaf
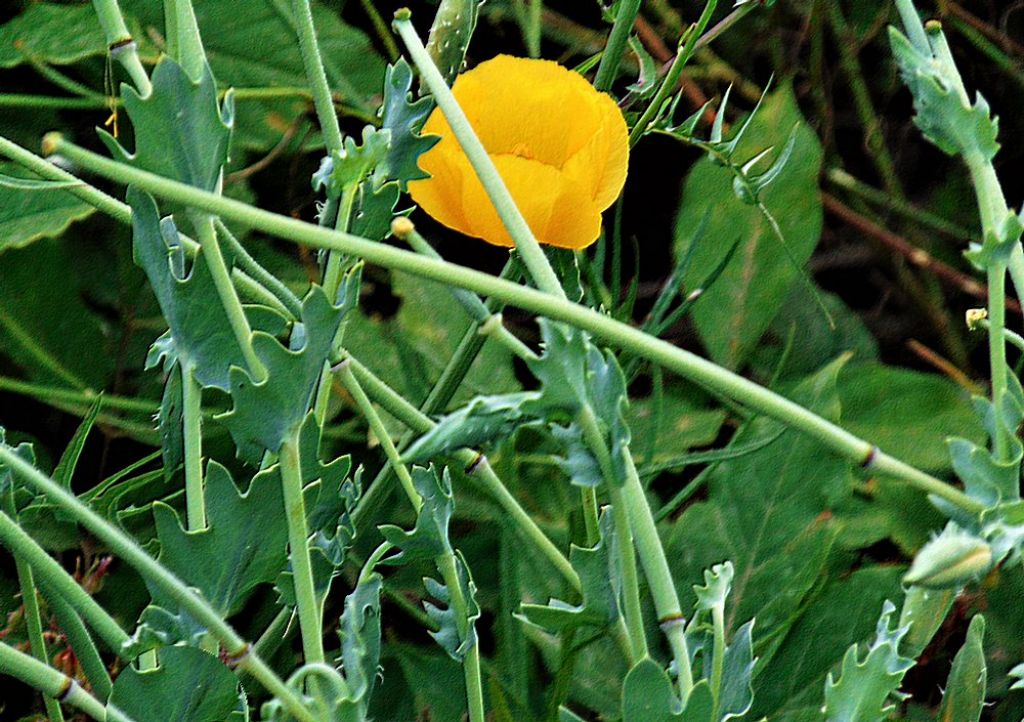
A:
x,y
264,414
404,119
65,469
200,332
600,584
52,33
169,420
845,612
429,538
863,689
44,333
450,33
243,546
28,214
267,55
964,698
453,641
157,695
647,694
764,512
733,314
942,115
182,132
717,585
737,693
360,639
907,413
346,168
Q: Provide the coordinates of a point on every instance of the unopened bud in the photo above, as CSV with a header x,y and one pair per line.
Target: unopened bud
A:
x,y
951,559
402,227
51,141
974,317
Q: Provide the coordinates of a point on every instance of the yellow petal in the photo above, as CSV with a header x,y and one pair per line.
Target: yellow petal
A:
x,y
602,163
535,109
558,210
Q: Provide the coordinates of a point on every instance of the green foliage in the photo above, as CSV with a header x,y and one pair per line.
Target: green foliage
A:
x,y
735,311
181,130
29,213
863,688
964,698
156,695
51,33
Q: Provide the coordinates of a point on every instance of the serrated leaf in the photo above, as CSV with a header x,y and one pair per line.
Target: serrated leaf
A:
x,y
863,690
182,132
160,627
243,546
264,414
156,695
404,119
355,162
374,211
717,584
599,582
429,538
737,693
359,631
200,333
964,698
453,641
942,115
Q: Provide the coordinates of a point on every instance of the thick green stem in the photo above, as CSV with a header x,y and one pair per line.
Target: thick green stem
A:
x,y
611,59
33,618
120,44
184,43
446,564
179,592
627,550
533,257
207,235
265,278
55,581
380,431
310,622
81,644
658,574
718,654
615,333
314,66
192,433
55,685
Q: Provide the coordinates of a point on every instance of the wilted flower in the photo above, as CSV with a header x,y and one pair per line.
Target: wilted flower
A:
x,y
560,146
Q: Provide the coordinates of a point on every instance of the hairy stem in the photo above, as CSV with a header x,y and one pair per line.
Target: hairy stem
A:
x,y
82,645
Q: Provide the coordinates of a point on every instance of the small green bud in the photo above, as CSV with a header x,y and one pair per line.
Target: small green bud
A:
x,y
950,560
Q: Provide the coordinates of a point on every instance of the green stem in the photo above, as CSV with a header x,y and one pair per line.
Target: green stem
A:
x,y
591,522
28,100
49,393
1012,338
252,290
313,63
55,581
658,574
675,71
529,250
608,70
33,618
207,235
380,431
718,655
615,333
82,645
184,42
997,351
179,592
121,45
475,464
471,662
627,550
192,432
251,266
54,685
298,542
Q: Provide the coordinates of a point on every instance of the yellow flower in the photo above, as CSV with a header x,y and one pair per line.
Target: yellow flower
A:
x,y
561,147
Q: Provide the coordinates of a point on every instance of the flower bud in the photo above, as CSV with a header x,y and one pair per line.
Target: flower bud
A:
x,y
950,560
